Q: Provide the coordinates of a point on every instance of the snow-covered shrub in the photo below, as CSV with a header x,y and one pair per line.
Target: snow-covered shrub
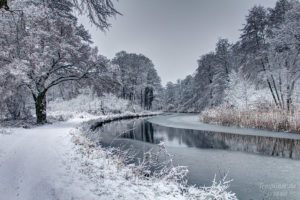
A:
x,y
159,164
241,93
87,104
217,191
112,104
108,167
170,107
15,102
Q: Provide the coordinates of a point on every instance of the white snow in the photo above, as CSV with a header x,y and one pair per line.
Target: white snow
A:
x,y
88,105
36,164
57,162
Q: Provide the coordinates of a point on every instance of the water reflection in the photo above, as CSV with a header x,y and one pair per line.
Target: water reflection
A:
x,y
147,132
143,131
237,155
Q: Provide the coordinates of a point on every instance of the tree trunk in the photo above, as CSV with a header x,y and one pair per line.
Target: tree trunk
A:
x,y
272,92
141,98
270,85
40,108
123,93
276,91
290,89
3,4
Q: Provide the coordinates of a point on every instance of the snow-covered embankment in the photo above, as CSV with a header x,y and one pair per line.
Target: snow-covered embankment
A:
x,y
58,162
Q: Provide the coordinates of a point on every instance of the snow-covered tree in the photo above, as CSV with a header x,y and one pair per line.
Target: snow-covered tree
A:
x,y
265,57
98,11
257,39
139,79
255,48
243,94
43,51
284,54
276,14
222,67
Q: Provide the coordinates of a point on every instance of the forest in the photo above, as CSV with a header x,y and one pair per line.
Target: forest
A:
x,y
46,54
261,68
75,124
253,79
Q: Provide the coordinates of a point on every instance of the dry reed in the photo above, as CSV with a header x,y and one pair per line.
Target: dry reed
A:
x,y
276,120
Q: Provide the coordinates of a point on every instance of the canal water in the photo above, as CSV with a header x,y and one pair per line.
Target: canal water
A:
x,y
260,167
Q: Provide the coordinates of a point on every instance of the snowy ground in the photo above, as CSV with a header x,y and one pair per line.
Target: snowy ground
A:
x,y
37,164
57,162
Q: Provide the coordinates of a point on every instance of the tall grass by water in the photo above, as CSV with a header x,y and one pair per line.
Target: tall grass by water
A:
x,y
274,119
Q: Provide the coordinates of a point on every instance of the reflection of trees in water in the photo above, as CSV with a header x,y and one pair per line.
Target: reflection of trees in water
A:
x,y
144,131
281,147
111,131
191,138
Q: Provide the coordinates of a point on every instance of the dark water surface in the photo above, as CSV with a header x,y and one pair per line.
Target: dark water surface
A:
x,y
261,167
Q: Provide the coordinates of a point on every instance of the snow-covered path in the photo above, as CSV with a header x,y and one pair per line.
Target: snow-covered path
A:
x,y
36,164
56,162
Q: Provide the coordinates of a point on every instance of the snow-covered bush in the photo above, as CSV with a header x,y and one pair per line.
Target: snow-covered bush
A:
x,y
170,107
86,104
15,102
108,167
241,93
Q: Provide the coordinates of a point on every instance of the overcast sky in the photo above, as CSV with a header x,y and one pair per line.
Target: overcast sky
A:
x,y
173,33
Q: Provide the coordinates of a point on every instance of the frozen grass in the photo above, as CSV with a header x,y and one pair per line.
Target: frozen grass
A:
x,y
274,119
135,181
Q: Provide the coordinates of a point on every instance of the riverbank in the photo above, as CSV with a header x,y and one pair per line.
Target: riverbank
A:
x,y
191,121
128,115
58,162
273,119
247,160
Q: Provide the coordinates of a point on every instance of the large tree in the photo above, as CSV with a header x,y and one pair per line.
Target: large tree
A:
x,y
140,82
222,68
44,51
284,54
260,27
